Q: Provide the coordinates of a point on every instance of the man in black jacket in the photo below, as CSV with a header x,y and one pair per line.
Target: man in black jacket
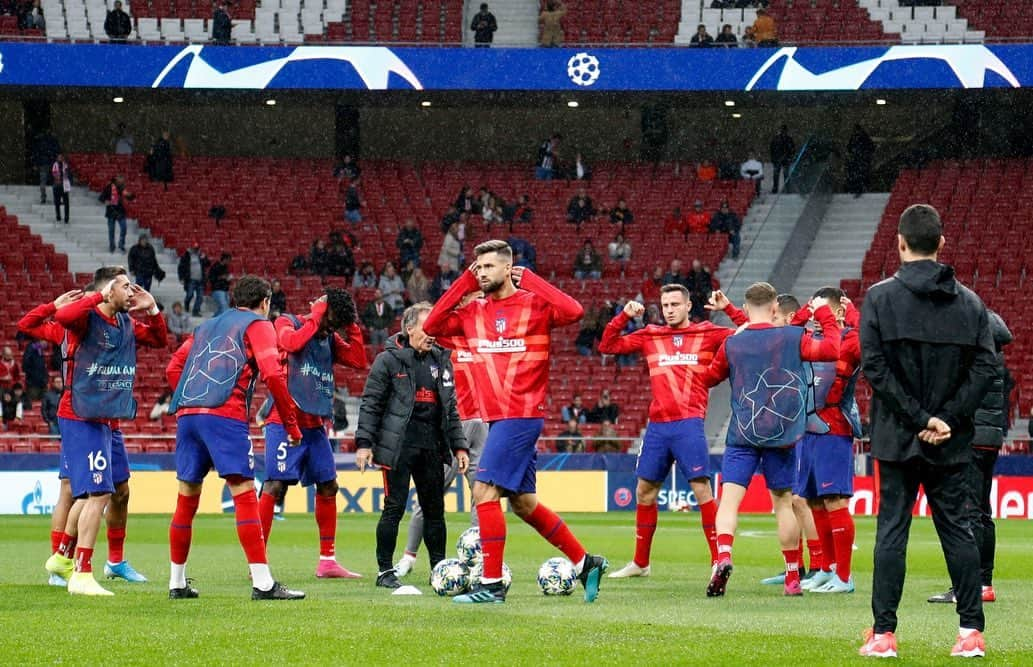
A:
x,y
409,425
117,24
483,27
991,422
143,263
783,150
927,351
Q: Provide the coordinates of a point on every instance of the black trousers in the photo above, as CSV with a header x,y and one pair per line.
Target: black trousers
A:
x,y
427,471
981,480
60,197
951,502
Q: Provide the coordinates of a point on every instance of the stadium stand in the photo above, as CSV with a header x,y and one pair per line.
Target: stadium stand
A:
x,y
621,21
397,21
999,20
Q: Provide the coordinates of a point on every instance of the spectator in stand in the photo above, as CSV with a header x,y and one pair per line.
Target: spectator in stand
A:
x,y
570,441
752,170
34,365
377,317
700,286
61,176
706,171
32,17
749,37
725,221
581,170
160,409
341,261
365,277
417,286
702,38
193,273
48,406
446,276
783,151
11,408
620,251
675,224
161,159
698,221
588,263
117,24
450,218
621,214
764,30
115,196
465,200
519,211
222,27
123,142
605,410
860,151
353,202
590,333
45,149
548,153
650,290
409,242
451,252
483,27
179,323
219,277
392,287
552,27
580,209
674,275
491,211
726,37
606,442
524,253
277,300
10,371
319,258
347,168
143,263
575,412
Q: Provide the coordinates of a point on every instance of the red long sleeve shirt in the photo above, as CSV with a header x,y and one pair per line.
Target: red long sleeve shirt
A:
x,y
846,365
463,362
38,324
509,339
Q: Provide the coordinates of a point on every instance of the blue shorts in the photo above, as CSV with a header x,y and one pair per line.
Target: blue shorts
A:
x,y
802,455
86,456
119,459
829,468
311,462
666,442
741,462
204,442
510,455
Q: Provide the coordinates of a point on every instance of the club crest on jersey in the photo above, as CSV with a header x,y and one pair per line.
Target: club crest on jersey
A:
x,y
434,370
678,340
500,324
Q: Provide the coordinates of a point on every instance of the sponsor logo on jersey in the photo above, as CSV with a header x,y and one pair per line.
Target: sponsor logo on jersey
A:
x,y
308,369
98,369
678,359
504,345
464,357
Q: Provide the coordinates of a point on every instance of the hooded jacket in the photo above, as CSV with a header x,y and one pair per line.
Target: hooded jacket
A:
x,y
927,351
389,396
991,418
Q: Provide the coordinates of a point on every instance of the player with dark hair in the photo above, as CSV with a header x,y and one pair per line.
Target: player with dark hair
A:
x,y
676,354
508,332
100,340
310,345
765,365
214,373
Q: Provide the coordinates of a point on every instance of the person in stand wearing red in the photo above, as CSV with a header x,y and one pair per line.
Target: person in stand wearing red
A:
x,y
10,371
310,346
698,221
213,373
508,333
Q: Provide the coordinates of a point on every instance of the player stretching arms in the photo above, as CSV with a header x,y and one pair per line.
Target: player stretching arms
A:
x,y
214,374
765,365
311,345
101,339
675,353
474,430
509,333
38,324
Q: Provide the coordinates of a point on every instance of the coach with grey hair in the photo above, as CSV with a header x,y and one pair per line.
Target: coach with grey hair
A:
x,y
409,425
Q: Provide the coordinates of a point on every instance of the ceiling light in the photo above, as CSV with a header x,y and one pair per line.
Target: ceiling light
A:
x,y
118,100
270,103
572,104
729,103
736,115
425,103
881,102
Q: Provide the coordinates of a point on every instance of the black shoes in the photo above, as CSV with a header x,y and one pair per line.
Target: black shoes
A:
x,y
185,593
944,598
277,592
388,579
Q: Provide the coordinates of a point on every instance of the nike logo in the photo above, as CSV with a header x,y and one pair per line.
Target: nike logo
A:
x,y
826,485
697,468
401,375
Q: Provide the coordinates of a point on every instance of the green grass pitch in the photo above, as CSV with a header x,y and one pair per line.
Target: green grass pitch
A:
x,y
664,619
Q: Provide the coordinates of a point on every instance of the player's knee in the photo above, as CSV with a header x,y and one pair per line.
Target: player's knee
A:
x,y
646,494
120,497
328,488
834,503
274,488
523,505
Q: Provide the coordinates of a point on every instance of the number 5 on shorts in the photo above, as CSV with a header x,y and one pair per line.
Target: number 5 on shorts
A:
x,y
97,461
281,452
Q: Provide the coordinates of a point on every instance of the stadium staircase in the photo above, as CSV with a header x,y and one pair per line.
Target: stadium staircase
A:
x,y
517,21
922,25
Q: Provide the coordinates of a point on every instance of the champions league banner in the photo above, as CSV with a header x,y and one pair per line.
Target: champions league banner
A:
x,y
555,70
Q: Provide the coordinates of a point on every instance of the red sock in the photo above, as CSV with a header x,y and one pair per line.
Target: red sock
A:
x,y
326,520
249,527
724,546
843,540
181,529
83,559
67,545
792,557
645,526
493,537
817,555
554,529
708,516
800,565
266,510
116,544
828,552
55,540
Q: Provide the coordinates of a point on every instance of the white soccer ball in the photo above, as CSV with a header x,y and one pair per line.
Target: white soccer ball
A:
x,y
583,69
557,576
450,577
468,548
477,569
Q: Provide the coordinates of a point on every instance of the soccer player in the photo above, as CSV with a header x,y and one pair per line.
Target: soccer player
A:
x,y
676,354
213,373
311,345
101,340
39,324
475,430
765,365
508,333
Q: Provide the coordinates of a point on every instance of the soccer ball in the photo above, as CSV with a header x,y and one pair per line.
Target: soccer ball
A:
x,y
583,69
557,576
450,577
477,569
468,547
